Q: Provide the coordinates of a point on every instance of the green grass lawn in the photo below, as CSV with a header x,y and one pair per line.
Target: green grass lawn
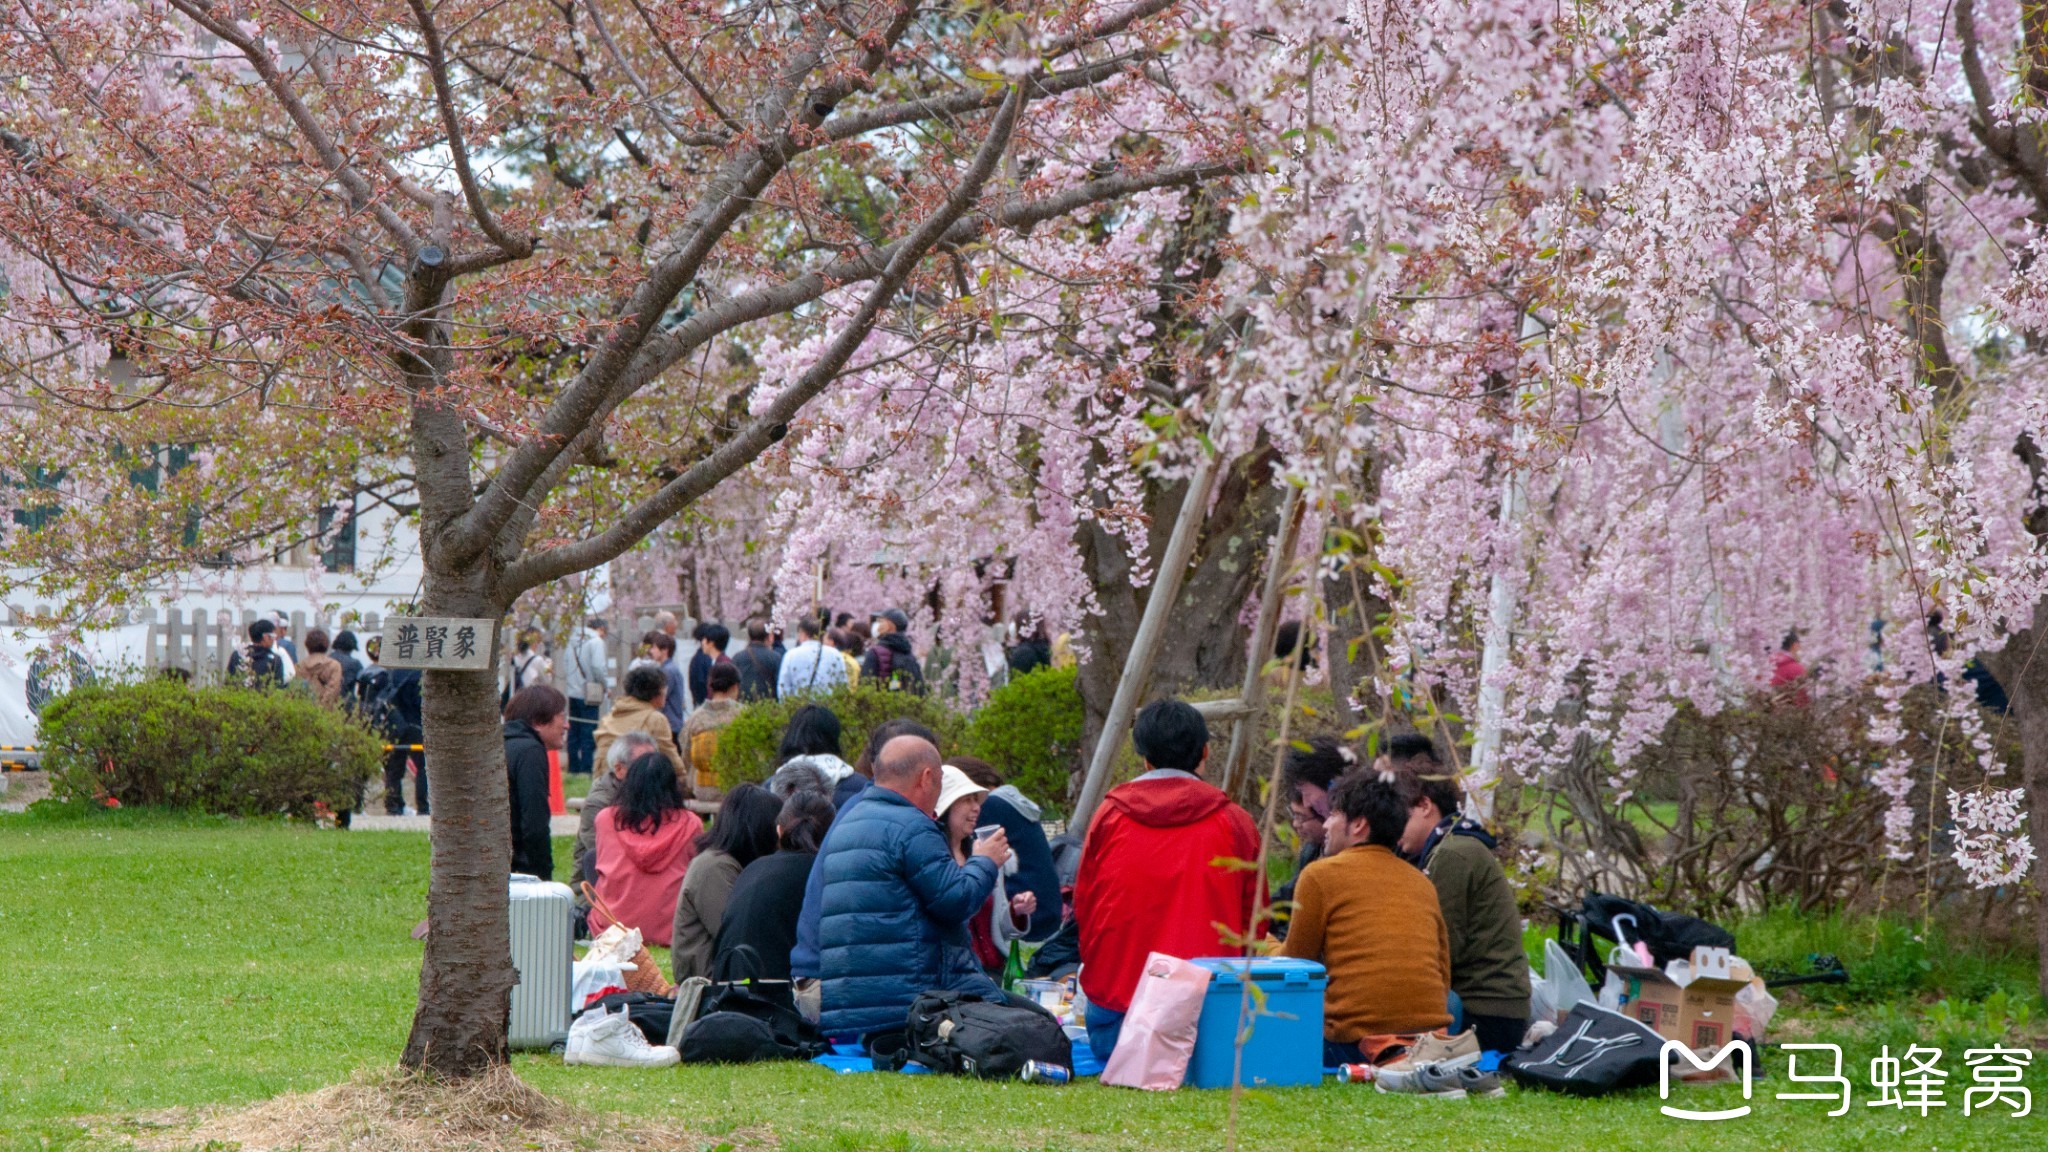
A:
x,y
159,962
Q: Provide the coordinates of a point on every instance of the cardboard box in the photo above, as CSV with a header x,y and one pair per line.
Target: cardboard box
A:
x,y
1692,1002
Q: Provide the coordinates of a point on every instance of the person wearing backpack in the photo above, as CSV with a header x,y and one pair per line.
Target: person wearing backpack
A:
x,y
396,712
258,664
889,662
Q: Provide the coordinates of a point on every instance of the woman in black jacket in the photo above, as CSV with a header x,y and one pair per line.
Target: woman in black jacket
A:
x,y
536,719
759,928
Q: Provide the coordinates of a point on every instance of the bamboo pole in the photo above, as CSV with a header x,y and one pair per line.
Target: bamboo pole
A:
x,y
1253,694
1194,507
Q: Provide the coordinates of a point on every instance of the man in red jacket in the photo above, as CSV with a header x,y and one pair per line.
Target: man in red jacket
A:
x,y
1149,880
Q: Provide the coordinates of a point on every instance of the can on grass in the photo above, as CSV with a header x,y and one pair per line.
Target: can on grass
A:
x,y
1356,1073
1041,1072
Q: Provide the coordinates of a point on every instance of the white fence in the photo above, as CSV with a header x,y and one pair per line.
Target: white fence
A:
x,y
196,645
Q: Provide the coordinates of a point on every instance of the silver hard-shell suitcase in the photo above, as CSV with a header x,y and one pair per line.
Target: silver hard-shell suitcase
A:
x,y
543,948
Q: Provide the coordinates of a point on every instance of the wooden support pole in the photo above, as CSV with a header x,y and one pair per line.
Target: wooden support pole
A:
x,y
1253,695
1166,582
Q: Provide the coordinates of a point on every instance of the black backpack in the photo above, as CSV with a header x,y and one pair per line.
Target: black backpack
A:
x,y
1668,935
963,1034
648,1012
1594,1052
740,1022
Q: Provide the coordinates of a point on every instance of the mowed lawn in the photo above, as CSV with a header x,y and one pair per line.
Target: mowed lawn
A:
x,y
160,962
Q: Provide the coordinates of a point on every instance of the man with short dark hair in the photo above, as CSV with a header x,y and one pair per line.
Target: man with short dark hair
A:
x,y
1489,970
711,644
1150,878
344,648
892,905
1310,774
810,666
661,648
1372,922
890,663
759,664
399,696
256,664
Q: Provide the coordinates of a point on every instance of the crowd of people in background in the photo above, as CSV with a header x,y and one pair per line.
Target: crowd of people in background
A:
x,y
853,888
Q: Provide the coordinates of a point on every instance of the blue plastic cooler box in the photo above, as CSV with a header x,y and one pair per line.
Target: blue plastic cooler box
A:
x,y
1286,1041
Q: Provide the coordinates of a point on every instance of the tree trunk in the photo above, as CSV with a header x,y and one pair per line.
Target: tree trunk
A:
x,y
466,977
2024,674
1205,644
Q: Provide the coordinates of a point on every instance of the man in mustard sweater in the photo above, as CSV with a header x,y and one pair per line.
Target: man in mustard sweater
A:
x,y
1372,920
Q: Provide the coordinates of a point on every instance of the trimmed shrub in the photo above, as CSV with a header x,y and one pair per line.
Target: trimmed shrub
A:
x,y
1030,729
747,747
228,750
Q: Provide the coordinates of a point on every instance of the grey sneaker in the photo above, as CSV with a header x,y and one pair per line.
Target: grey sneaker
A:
x,y
1477,1083
1433,1080
1460,1051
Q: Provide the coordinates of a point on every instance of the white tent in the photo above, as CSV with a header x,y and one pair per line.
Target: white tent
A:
x,y
17,722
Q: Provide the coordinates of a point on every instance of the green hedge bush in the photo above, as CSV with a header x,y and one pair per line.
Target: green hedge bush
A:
x,y
1030,729
747,747
234,751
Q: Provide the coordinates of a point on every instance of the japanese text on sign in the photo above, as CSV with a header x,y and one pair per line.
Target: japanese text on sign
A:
x,y
437,642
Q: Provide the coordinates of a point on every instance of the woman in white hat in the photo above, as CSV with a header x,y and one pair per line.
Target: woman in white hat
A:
x,y
959,809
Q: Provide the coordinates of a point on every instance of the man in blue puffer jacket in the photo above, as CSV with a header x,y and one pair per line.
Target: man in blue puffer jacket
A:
x,y
891,904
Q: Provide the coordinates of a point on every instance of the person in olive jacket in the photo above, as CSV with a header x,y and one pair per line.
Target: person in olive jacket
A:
x,y
1489,970
536,719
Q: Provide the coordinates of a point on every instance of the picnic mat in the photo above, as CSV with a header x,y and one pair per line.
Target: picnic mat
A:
x,y
847,1059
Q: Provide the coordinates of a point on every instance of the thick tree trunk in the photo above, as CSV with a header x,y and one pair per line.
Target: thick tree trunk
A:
x,y
466,977
1205,642
2024,673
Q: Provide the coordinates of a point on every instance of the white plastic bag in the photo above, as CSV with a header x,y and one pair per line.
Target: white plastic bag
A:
x,y
1612,992
1567,984
1754,1007
1541,1007
594,980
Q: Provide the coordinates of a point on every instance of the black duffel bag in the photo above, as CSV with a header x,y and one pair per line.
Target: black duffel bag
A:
x,y
1594,1052
965,1035
741,1021
648,1012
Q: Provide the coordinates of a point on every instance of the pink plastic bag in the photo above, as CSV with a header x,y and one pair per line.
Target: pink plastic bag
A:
x,y
1158,1033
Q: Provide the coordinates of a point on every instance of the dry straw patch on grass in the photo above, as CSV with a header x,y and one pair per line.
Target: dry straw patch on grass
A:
x,y
389,1111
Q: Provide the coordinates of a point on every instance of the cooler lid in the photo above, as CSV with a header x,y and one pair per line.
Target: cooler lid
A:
x,y
1264,970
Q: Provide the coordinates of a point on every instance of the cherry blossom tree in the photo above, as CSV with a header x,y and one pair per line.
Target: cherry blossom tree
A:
x,y
486,258
1643,323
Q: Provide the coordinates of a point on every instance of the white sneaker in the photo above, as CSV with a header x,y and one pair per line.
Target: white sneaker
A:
x,y
609,1040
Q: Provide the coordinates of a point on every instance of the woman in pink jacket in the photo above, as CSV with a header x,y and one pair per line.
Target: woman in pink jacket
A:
x,y
644,844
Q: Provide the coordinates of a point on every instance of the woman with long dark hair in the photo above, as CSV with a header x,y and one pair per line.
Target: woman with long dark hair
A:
x,y
760,918
646,841
742,832
810,741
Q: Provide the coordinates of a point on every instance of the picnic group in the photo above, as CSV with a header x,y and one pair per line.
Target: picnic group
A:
x,y
851,895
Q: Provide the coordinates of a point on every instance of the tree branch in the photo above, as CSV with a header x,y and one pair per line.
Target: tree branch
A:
x,y
361,195
458,148
773,422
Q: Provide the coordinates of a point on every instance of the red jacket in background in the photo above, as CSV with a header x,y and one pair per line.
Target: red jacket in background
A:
x,y
1149,881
